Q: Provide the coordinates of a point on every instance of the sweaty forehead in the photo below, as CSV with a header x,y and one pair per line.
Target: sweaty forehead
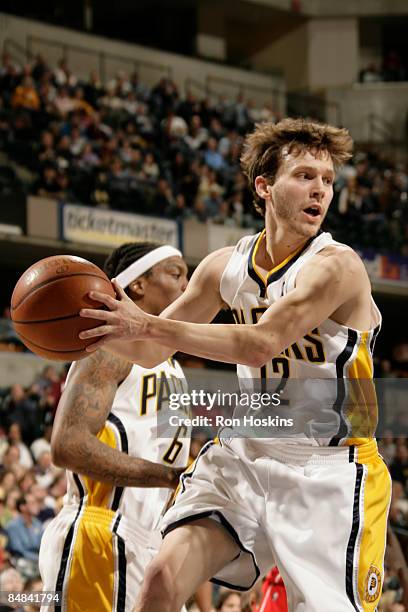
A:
x,y
320,159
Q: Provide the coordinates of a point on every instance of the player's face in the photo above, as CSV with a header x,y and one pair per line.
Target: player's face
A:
x,y
167,281
302,192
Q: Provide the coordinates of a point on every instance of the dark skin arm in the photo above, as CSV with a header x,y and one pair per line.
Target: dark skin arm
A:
x,y
82,412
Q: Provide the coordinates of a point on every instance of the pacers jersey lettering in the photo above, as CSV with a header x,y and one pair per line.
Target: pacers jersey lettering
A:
x,y
331,351
131,427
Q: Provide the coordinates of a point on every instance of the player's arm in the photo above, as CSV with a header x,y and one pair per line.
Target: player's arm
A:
x,y
328,282
199,303
82,411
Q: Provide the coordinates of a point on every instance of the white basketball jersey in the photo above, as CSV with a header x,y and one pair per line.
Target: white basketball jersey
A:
x,y
131,427
331,351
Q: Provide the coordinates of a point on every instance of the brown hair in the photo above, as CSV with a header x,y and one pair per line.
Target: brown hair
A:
x,y
223,596
262,153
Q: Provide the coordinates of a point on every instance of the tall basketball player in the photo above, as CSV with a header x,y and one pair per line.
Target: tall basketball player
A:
x,y
120,474
316,504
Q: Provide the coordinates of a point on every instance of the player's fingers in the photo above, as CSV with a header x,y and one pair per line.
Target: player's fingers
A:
x,y
104,298
102,330
120,292
93,313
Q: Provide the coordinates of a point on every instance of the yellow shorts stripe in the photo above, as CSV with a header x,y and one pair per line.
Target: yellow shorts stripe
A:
x,y
366,547
377,496
97,575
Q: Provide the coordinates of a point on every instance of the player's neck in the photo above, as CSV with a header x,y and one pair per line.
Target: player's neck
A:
x,y
277,245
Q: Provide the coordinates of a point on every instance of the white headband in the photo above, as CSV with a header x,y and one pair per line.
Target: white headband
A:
x,y
142,265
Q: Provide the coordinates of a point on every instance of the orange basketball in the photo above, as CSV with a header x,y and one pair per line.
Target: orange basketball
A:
x,y
46,302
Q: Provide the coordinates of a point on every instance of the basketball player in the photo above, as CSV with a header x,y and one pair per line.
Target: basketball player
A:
x,y
314,504
120,474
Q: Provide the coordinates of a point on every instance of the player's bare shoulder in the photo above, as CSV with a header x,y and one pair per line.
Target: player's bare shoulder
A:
x,y
217,260
339,267
345,263
100,368
208,273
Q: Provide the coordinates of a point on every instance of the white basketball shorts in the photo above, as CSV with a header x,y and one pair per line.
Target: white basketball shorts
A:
x,y
319,513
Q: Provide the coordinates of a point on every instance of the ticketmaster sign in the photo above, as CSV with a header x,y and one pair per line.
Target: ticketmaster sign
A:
x,y
112,228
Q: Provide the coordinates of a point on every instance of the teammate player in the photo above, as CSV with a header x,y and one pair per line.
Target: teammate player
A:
x,y
315,504
121,476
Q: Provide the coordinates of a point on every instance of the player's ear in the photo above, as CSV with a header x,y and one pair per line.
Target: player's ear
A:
x,y
262,187
138,287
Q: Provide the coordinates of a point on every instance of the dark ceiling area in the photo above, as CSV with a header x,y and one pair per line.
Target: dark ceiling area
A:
x,y
170,26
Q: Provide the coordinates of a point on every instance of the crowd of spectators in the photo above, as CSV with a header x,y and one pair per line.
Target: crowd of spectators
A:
x,y
31,487
392,69
133,148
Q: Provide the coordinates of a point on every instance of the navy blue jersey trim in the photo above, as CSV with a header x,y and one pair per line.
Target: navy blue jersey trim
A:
x,y
374,338
124,448
353,536
341,385
251,270
121,597
64,559
275,275
189,474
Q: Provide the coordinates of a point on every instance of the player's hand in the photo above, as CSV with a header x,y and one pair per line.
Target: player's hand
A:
x,y
123,319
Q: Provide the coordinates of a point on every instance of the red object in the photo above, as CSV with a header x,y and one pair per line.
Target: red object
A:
x,y
273,593
296,6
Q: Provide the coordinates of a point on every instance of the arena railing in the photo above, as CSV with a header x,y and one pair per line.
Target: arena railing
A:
x,y
381,127
304,104
217,85
102,57
11,47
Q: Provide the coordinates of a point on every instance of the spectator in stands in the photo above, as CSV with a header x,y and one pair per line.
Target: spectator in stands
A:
x,y
399,467
163,199
45,470
47,185
387,446
93,89
228,601
8,510
11,461
212,156
43,444
63,76
15,439
8,480
11,581
393,68
150,167
46,503
25,531
370,74
14,406
197,134
178,208
25,96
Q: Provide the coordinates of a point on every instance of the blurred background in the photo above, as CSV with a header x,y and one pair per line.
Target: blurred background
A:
x,y
125,121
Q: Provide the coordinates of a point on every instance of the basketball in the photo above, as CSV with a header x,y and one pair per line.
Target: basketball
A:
x,y
46,302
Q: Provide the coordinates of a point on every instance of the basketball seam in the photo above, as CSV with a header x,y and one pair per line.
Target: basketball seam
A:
x,y
54,280
51,350
71,316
